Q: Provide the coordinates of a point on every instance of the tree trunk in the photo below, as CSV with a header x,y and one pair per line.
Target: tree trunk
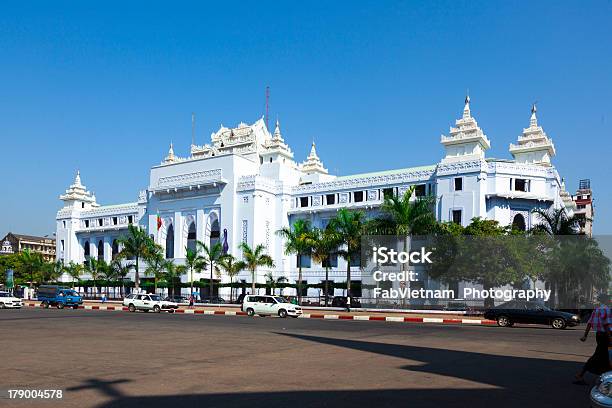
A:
x,y
212,284
191,281
253,281
326,284
348,281
300,284
136,277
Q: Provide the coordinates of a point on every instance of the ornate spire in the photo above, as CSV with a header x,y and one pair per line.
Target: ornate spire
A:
x,y
77,179
78,193
277,143
466,108
466,141
533,146
170,158
277,133
313,164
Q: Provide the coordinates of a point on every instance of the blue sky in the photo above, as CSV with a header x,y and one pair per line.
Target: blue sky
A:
x,y
104,88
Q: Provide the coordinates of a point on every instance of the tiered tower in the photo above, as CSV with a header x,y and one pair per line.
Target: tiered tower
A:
x,y
534,146
466,141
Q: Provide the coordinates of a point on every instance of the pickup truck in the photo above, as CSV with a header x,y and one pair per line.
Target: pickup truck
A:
x,y
52,295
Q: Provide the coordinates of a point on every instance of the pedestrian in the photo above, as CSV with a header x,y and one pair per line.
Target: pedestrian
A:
x,y
191,301
601,322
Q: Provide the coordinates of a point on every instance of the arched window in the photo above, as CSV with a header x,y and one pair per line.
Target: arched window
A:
x,y
518,223
215,233
115,251
191,237
170,242
100,250
86,250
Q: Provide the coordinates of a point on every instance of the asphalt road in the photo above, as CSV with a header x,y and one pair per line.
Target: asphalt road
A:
x,y
120,359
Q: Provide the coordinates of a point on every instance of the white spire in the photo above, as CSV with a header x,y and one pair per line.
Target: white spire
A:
x,y
170,158
277,133
466,141
313,164
77,178
533,146
466,108
77,193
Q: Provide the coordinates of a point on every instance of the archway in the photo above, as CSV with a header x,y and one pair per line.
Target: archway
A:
x,y
215,232
115,249
518,223
86,252
100,250
170,242
191,237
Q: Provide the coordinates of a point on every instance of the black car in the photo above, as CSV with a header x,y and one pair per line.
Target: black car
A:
x,y
340,301
213,300
530,312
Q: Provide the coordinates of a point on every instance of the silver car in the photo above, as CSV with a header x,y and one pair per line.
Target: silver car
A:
x,y
601,393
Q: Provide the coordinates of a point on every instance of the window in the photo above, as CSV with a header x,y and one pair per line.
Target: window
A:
x,y
130,219
304,261
100,250
82,205
191,237
331,262
100,222
358,196
458,183
86,223
457,216
270,160
419,190
303,201
330,199
86,250
114,220
170,242
64,224
521,185
387,192
115,249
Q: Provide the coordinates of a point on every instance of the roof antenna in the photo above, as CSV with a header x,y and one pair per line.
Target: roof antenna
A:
x,y
193,128
267,107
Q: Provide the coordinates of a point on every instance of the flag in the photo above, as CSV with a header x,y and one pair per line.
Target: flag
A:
x,y
159,222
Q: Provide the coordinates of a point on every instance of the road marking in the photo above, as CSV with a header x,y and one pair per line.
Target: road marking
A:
x,y
394,319
330,316
432,320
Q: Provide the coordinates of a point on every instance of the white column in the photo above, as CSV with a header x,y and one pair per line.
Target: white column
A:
x,y
179,245
108,249
200,225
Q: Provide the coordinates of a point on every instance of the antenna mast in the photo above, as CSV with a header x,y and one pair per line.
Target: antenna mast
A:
x,y
267,107
192,128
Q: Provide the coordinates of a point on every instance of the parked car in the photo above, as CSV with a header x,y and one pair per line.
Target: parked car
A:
x,y
146,302
240,298
8,301
53,295
601,393
340,301
266,305
530,312
213,299
179,300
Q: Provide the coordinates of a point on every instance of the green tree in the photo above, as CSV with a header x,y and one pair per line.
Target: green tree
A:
x,y
31,264
210,257
232,268
156,266
194,262
52,271
555,222
173,275
121,270
254,258
96,269
349,225
325,244
75,270
137,244
298,241
108,274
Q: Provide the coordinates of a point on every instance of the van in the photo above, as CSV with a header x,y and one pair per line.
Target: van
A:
x,y
266,305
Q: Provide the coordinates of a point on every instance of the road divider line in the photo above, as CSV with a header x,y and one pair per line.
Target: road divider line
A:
x,y
405,319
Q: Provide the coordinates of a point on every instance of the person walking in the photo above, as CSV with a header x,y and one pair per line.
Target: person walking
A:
x,y
601,322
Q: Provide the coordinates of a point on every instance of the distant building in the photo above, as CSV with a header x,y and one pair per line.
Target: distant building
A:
x,y
584,207
16,243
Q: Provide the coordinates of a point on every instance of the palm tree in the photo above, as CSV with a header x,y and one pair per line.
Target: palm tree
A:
x,y
173,274
254,258
75,271
53,271
31,262
325,244
120,272
137,244
556,222
232,268
194,262
298,241
155,266
349,226
403,217
211,257
95,268
108,274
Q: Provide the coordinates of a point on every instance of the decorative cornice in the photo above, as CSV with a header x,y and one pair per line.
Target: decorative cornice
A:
x,y
190,179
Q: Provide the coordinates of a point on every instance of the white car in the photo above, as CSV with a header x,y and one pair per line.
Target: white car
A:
x,y
266,305
7,301
146,302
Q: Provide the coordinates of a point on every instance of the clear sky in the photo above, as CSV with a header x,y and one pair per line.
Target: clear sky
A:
x,y
105,88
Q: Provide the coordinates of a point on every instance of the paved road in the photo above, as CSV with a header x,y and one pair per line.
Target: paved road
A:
x,y
120,359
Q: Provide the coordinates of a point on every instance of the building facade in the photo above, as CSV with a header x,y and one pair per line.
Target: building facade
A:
x,y
246,184
16,243
585,211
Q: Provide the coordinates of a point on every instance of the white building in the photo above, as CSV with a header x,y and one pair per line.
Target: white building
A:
x,y
246,184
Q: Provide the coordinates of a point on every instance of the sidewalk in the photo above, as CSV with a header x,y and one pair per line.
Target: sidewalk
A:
x,y
308,314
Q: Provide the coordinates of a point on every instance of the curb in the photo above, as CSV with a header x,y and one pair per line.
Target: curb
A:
x,y
400,319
